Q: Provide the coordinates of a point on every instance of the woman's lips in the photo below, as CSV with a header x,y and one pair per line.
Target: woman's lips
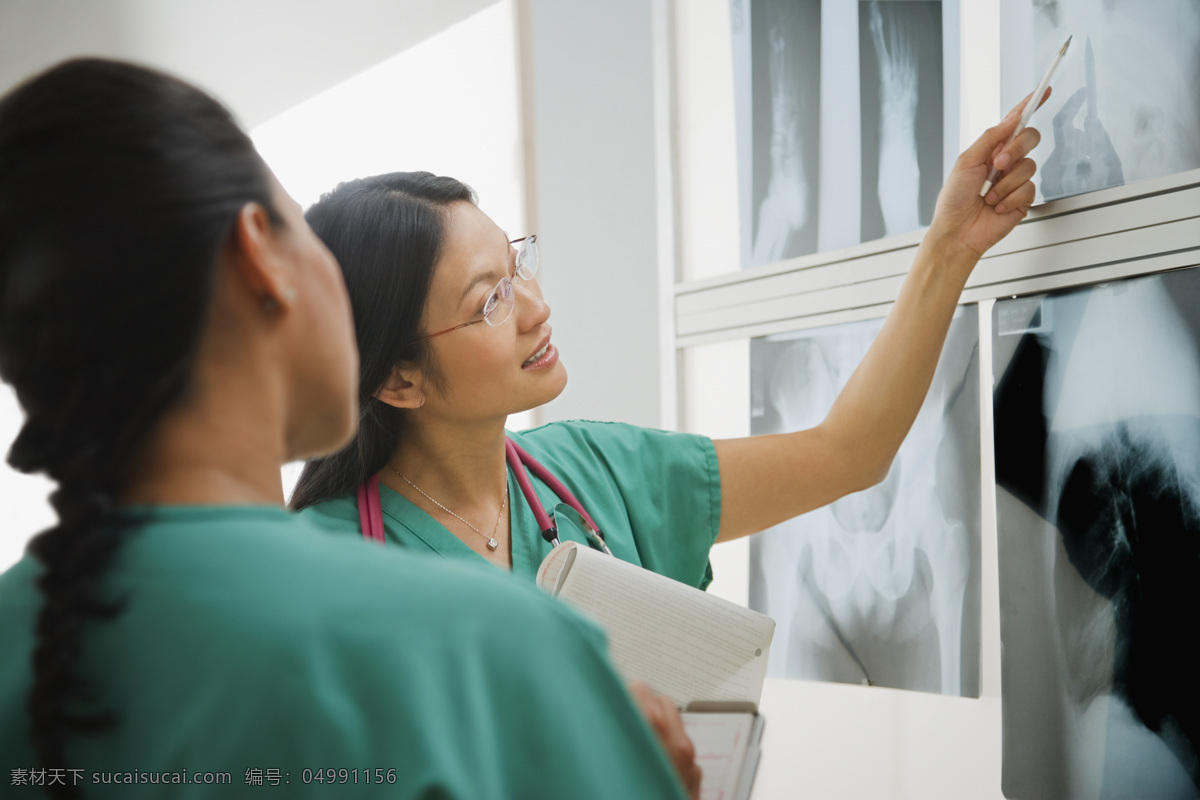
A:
x,y
542,358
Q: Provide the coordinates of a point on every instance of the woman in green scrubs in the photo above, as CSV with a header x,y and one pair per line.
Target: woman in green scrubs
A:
x,y
454,336
174,331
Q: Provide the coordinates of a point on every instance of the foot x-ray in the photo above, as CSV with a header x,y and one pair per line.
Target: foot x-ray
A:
x,y
785,63
840,116
900,52
1097,435
882,586
1126,99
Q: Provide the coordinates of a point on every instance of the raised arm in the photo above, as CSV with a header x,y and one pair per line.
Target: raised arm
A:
x,y
768,479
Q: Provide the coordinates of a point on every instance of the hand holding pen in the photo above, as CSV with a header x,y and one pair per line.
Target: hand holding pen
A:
x,y
964,221
1041,93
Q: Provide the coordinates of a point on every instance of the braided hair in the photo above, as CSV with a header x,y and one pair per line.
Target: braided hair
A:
x,y
119,186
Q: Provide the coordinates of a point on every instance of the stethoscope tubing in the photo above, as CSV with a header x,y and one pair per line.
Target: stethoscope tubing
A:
x,y
518,459
371,516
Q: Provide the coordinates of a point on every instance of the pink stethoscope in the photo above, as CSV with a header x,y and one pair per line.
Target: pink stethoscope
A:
x,y
371,513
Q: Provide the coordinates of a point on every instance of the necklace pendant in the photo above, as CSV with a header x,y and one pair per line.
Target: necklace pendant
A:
x,y
493,544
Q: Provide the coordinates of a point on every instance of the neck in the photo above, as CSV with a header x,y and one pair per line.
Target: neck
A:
x,y
462,465
223,446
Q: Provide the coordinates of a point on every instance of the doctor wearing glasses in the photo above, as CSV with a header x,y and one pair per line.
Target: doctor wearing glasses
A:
x,y
454,335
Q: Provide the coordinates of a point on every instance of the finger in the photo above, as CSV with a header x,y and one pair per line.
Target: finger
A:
x,y
1021,172
693,780
681,747
1016,110
1045,96
993,138
1023,144
1017,149
641,692
649,703
1018,201
988,146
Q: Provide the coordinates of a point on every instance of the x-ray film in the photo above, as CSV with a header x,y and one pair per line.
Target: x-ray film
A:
x,y
779,133
900,57
1097,436
842,112
1126,99
882,586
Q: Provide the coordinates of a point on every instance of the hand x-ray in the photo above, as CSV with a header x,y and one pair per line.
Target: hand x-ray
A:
x,y
882,586
841,113
1126,99
1097,432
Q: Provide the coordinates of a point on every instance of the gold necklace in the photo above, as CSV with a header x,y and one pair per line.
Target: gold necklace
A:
x,y
491,540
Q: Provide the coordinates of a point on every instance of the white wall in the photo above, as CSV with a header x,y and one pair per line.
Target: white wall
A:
x,y
592,178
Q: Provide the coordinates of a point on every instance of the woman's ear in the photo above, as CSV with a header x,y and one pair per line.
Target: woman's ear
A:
x,y
263,272
402,389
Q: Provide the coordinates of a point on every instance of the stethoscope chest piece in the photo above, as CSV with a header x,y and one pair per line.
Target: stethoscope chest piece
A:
x,y
569,508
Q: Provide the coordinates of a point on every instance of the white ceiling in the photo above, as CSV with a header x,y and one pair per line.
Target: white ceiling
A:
x,y
260,57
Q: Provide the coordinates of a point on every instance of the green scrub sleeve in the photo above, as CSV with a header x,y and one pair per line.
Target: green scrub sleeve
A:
x,y
664,487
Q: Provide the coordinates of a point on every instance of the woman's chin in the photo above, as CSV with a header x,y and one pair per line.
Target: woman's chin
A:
x,y
553,383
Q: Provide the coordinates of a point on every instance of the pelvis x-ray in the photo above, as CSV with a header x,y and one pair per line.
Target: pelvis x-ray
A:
x,y
840,120
1126,99
1097,432
882,586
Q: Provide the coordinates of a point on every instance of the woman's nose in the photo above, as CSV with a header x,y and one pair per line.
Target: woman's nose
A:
x,y
532,309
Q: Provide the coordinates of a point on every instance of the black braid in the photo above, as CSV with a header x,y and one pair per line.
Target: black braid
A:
x,y
76,553
118,189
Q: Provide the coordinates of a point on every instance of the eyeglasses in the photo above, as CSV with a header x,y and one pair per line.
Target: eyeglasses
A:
x,y
500,303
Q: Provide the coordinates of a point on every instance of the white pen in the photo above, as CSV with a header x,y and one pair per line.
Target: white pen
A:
x,y
1034,101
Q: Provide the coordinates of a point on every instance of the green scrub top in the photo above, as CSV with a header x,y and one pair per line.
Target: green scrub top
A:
x,y
253,645
655,495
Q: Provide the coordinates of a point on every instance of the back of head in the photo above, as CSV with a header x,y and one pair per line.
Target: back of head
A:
x,y
386,232
119,186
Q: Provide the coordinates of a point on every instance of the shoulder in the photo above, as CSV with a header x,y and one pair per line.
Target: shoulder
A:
x,y
285,573
615,437
633,456
361,643
334,515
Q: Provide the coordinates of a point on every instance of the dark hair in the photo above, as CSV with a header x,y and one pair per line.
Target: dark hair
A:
x,y
119,186
387,233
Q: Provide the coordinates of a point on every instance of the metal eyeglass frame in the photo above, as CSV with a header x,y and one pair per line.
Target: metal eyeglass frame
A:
x,y
527,244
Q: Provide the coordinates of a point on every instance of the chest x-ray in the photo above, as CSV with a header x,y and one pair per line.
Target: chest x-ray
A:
x,y
840,116
1097,431
882,586
1126,99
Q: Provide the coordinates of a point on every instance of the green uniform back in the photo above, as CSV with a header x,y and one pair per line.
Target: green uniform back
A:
x,y
253,645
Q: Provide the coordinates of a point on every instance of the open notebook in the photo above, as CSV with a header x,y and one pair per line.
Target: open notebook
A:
x,y
705,653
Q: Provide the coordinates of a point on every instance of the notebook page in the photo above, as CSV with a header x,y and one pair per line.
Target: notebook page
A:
x,y
684,643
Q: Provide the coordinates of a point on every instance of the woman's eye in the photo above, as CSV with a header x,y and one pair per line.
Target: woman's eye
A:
x,y
489,304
